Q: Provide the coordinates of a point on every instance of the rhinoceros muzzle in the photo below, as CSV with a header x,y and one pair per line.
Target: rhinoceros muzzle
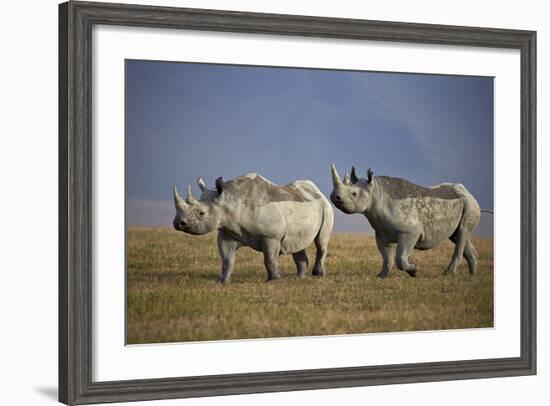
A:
x,y
337,201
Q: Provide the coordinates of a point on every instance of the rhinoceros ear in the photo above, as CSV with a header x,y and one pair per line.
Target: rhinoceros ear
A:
x,y
219,185
353,176
369,175
202,184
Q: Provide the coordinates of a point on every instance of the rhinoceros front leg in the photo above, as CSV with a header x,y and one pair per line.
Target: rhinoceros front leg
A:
x,y
271,249
405,244
227,247
386,250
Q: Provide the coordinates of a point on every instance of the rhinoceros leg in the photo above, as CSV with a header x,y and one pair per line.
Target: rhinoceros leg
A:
x,y
300,259
319,267
470,254
463,246
227,247
405,244
460,240
271,249
386,250
321,242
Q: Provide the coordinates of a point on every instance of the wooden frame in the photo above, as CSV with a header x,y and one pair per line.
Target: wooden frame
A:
x,y
75,179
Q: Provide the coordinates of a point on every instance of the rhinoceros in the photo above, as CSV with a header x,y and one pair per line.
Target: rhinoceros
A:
x,y
410,216
251,211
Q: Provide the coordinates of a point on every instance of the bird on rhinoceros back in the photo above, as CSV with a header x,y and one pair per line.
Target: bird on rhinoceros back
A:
x,y
409,216
251,211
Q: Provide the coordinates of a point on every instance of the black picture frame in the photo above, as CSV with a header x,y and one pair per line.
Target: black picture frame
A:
x,y
76,20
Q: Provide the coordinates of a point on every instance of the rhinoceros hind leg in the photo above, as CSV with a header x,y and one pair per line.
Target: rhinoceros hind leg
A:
x,y
460,239
321,241
470,254
271,249
300,259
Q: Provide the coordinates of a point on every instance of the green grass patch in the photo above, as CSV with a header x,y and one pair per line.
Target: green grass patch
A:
x,y
172,294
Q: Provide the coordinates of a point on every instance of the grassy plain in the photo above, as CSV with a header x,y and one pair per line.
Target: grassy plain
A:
x,y
172,295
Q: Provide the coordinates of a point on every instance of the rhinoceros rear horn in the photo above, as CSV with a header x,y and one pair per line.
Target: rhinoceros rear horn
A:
x,y
178,201
335,177
190,198
219,185
346,179
369,175
353,176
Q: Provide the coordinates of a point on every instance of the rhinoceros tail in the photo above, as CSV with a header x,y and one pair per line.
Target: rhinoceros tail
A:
x,y
487,211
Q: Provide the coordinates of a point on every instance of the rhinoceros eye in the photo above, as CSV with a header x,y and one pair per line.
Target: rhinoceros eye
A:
x,y
354,194
201,213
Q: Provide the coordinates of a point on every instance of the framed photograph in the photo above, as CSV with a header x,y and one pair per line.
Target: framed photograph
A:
x,y
259,202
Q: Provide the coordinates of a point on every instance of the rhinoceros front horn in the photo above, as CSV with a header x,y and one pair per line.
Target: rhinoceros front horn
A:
x,y
335,177
178,201
190,198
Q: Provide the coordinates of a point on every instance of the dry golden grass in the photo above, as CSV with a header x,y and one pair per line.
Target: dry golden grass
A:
x,y
172,294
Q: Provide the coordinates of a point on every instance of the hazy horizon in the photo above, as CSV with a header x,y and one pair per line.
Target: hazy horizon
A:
x,y
185,120
154,214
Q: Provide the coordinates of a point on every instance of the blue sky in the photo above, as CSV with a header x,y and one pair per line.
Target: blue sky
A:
x,y
187,120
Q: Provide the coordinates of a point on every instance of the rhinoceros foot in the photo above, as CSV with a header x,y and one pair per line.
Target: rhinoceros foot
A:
x,y
412,274
273,278
222,281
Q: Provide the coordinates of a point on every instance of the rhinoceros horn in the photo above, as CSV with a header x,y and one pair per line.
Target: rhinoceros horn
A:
x,y
190,198
346,179
335,177
179,202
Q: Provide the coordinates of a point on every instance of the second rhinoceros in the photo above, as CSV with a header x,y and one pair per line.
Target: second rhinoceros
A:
x,y
254,212
410,216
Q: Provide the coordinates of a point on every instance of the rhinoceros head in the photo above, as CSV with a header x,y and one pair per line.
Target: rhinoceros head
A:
x,y
353,194
198,216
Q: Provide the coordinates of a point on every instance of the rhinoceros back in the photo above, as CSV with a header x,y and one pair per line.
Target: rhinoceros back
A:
x,y
399,189
255,190
293,213
436,210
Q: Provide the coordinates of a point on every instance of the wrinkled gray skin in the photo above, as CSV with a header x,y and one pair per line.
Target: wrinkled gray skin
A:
x,y
251,211
410,216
